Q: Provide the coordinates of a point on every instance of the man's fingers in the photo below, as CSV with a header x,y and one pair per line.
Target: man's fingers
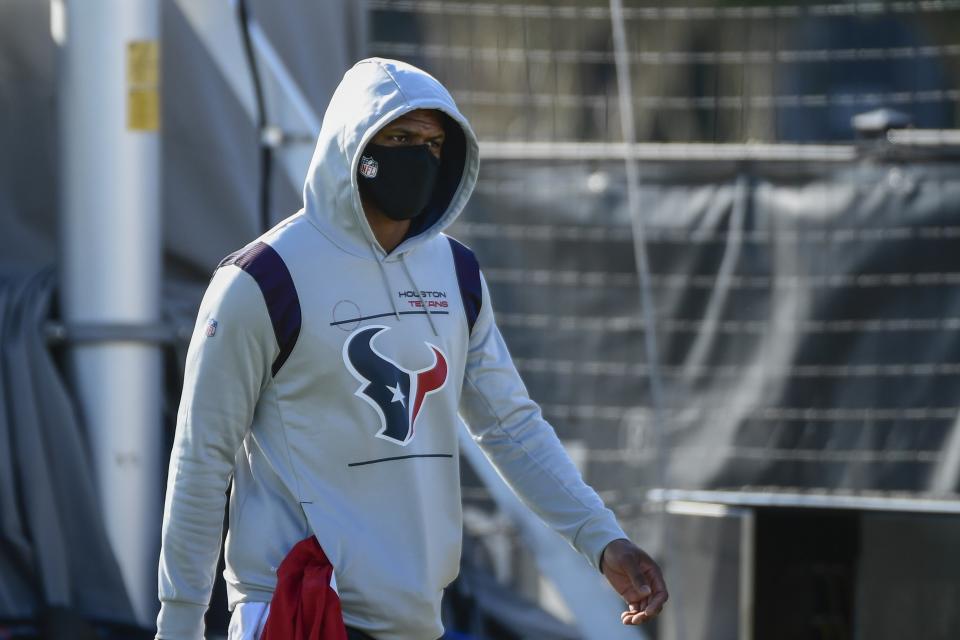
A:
x,y
634,618
639,615
658,587
650,583
653,577
634,595
656,603
637,578
639,581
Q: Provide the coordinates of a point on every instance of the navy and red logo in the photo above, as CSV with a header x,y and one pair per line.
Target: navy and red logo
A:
x,y
397,394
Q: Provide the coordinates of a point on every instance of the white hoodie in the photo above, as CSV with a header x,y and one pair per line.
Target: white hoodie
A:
x,y
326,376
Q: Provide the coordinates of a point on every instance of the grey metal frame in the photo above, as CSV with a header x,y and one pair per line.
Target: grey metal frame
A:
x,y
747,517
775,498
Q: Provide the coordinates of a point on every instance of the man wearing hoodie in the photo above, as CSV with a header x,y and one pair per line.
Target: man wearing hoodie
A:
x,y
327,373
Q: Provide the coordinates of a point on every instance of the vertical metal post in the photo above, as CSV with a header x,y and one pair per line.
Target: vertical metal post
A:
x,y
621,54
748,528
746,522
111,262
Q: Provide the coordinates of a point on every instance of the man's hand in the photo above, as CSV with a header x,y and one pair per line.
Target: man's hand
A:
x,y
637,579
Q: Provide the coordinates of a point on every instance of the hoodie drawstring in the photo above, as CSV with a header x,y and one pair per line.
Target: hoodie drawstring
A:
x,y
423,303
386,283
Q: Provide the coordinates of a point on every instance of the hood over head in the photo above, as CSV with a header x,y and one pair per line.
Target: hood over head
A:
x,y
373,93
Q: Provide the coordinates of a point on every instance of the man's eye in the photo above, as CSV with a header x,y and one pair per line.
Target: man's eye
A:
x,y
399,138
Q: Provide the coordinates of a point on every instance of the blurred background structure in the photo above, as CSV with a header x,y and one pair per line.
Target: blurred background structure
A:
x,y
722,239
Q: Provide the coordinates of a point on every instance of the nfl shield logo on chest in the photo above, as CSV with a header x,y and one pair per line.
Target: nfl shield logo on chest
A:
x,y
368,167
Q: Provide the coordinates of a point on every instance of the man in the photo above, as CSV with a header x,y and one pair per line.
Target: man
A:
x,y
330,360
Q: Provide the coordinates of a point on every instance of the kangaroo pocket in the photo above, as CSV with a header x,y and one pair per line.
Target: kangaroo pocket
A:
x,y
394,546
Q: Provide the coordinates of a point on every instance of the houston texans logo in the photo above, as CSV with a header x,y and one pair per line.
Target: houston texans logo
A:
x,y
397,394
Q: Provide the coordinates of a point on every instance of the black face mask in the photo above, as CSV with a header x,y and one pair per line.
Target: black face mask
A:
x,y
399,180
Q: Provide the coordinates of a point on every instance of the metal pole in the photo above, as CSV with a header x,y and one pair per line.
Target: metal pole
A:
x,y
293,123
648,310
668,151
748,550
111,262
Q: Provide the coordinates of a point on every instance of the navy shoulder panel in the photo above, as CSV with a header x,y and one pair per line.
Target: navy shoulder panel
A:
x,y
468,275
266,266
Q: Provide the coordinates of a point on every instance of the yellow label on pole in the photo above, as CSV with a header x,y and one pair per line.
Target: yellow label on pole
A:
x,y
143,85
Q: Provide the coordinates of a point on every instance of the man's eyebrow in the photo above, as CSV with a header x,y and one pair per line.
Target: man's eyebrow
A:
x,y
392,129
397,128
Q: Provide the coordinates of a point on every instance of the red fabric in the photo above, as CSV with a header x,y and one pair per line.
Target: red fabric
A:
x,y
304,606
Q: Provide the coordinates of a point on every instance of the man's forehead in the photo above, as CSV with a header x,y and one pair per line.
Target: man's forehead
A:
x,y
419,118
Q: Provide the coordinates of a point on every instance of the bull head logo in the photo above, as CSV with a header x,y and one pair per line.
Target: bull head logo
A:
x,y
397,394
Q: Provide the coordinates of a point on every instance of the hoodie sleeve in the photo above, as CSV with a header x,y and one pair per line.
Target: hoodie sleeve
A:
x,y
511,431
228,364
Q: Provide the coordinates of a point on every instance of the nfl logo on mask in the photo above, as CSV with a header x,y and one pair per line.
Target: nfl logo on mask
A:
x,y
211,329
368,167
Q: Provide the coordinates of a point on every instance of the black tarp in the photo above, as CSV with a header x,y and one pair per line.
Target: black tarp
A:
x,y
807,317
55,552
